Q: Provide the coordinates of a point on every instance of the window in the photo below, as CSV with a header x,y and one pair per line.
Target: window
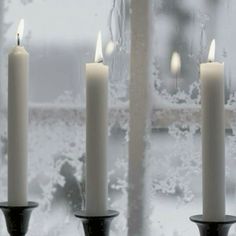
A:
x,y
61,37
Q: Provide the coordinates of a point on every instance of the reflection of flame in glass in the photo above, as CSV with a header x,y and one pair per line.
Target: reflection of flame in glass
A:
x,y
211,55
20,31
110,47
98,54
175,66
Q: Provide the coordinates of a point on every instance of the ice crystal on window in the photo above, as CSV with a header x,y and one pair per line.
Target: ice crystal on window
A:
x,y
57,108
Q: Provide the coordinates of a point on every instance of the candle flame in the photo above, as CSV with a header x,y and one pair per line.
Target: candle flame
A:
x,y
98,54
175,65
20,31
211,55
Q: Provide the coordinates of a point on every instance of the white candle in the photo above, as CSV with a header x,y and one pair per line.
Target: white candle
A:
x,y
17,122
96,134
213,133
175,66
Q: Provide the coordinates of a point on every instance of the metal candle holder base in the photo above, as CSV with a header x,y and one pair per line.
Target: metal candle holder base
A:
x,y
17,217
97,225
220,228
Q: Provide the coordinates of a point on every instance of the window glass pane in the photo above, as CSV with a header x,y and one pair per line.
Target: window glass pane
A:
x,y
61,37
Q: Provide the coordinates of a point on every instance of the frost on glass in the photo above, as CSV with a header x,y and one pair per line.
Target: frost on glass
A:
x,y
59,48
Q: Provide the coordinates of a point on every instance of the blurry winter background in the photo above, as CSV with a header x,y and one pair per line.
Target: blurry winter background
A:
x,y
60,37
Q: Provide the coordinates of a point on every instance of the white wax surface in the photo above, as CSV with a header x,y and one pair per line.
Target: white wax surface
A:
x,y
17,126
213,147
96,138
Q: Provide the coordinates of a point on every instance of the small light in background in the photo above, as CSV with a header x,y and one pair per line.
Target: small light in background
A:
x,y
175,65
110,48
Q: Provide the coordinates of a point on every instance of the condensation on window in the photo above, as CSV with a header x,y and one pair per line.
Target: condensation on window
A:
x,y
61,37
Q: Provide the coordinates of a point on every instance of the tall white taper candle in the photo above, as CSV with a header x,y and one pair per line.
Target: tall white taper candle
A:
x,y
96,134
213,133
17,122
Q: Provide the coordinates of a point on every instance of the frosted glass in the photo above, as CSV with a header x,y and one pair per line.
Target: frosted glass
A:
x,y
60,37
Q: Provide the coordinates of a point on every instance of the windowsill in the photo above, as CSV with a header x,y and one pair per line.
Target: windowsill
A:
x,y
162,117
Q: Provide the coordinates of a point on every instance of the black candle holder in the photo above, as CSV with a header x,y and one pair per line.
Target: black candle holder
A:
x,y
97,225
17,217
210,228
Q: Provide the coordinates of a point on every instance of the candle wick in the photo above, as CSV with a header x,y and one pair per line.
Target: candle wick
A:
x,y
211,60
18,39
100,60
